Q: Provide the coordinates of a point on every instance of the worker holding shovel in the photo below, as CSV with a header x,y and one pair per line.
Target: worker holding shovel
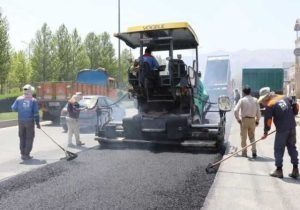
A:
x,y
282,110
28,114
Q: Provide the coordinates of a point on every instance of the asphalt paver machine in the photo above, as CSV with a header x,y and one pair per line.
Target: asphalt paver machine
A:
x,y
166,96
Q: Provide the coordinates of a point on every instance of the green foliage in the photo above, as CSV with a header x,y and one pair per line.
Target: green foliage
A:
x,y
57,56
14,93
79,58
92,45
107,55
101,53
4,52
8,116
126,61
20,71
62,55
42,59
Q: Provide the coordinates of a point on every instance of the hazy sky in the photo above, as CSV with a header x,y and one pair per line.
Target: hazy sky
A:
x,y
228,25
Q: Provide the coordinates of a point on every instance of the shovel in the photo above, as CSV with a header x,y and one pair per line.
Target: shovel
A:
x,y
210,167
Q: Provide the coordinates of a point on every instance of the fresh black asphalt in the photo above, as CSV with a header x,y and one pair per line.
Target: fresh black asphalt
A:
x,y
120,177
116,177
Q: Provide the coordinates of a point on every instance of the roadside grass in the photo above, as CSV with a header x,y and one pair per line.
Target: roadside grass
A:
x,y
8,116
11,95
11,115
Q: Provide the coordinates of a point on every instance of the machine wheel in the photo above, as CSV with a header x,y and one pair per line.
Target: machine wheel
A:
x,y
221,147
103,145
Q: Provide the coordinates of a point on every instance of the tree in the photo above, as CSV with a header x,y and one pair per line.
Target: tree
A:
x,y
62,55
101,52
42,59
4,52
92,45
107,54
79,58
126,61
20,70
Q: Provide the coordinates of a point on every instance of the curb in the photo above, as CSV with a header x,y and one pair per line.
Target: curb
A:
x,y
8,123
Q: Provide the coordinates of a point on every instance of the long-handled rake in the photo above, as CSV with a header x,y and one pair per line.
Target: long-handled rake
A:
x,y
210,167
69,155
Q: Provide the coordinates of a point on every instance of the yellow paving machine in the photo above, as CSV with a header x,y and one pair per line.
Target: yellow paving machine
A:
x,y
171,101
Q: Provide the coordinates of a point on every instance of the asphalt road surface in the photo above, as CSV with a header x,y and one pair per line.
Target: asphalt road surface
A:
x,y
130,177
115,177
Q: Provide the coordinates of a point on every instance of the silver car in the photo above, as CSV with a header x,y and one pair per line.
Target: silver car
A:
x,y
88,117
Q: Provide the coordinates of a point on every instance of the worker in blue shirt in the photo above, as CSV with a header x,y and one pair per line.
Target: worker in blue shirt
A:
x,y
28,113
282,110
150,59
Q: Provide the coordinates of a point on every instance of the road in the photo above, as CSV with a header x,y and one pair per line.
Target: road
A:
x,y
118,177
126,178
44,150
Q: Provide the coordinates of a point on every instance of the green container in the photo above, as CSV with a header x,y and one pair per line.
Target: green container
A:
x,y
257,78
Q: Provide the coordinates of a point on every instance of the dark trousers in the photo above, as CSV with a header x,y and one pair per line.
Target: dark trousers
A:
x,y
282,140
26,134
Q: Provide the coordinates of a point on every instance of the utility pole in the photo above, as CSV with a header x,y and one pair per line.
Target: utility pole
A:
x,y
119,50
297,57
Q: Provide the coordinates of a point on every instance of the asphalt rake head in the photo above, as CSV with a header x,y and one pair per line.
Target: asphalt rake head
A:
x,y
210,168
70,155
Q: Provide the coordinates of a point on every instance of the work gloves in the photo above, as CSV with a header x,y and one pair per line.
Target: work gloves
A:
x,y
264,136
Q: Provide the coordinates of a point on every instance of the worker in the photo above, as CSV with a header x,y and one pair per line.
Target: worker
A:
x,y
72,119
150,59
236,96
28,113
282,110
249,110
201,100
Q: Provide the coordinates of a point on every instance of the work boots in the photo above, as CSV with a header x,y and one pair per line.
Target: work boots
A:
x,y
277,173
244,153
295,173
26,157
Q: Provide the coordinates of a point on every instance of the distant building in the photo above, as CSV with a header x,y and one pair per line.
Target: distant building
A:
x,y
289,77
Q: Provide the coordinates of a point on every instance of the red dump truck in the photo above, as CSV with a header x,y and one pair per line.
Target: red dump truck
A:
x,y
53,96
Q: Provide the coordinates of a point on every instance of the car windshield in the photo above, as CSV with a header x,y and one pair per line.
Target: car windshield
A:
x,y
88,102
109,101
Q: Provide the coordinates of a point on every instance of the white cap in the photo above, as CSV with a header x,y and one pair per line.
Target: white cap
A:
x,y
28,90
263,93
